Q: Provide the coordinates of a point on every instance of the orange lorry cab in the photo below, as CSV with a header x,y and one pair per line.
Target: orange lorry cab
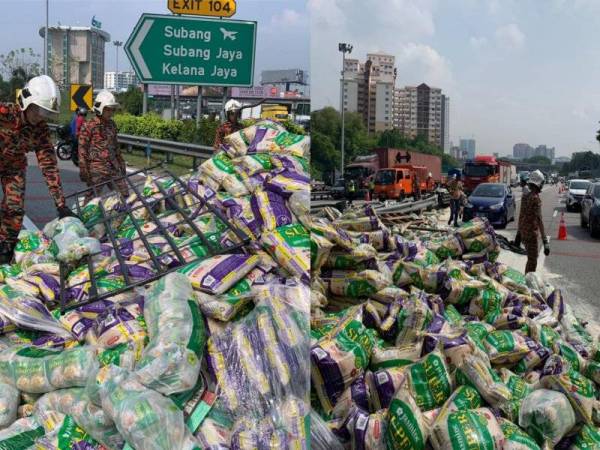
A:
x,y
397,182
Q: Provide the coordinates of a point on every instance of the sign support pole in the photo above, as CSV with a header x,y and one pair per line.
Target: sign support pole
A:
x,y
145,98
177,101
223,115
172,101
199,105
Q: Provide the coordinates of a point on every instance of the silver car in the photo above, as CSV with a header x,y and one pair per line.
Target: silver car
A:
x,y
575,192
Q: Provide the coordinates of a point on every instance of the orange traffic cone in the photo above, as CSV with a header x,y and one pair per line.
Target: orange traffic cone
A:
x,y
562,228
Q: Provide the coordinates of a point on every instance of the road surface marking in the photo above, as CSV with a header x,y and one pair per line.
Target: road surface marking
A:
x,y
29,225
577,255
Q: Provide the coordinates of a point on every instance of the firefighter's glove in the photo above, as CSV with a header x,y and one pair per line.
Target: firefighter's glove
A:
x,y
64,211
546,247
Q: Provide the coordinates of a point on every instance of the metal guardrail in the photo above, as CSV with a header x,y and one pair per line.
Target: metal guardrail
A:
x,y
406,206
321,194
197,152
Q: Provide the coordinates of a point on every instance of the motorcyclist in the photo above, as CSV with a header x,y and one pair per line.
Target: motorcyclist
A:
x,y
233,110
24,128
100,158
76,124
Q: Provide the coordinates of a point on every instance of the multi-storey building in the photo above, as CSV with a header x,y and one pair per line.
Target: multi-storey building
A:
x,y
423,111
368,89
119,82
76,55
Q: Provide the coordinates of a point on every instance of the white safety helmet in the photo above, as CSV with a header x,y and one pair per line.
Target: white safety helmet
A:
x,y
42,92
104,99
232,106
536,178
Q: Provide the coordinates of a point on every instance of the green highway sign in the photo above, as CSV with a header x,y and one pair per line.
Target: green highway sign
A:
x,y
190,50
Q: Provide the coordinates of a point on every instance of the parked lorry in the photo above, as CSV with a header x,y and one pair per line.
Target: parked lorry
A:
x,y
486,169
397,182
365,167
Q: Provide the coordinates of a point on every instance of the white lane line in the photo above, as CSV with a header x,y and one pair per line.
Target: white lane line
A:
x,y
29,225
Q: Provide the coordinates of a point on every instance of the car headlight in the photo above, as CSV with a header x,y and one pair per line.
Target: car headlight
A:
x,y
496,207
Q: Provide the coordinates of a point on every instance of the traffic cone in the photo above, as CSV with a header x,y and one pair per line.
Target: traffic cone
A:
x,y
562,228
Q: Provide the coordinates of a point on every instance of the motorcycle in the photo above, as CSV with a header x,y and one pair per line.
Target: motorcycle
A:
x,y
64,146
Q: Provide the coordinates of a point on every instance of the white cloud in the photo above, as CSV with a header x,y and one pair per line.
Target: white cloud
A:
x,y
477,42
420,62
370,28
287,18
510,36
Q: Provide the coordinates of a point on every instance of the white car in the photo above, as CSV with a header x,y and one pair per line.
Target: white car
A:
x,y
575,192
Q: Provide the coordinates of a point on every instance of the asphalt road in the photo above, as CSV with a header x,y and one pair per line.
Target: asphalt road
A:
x,y
574,264
39,206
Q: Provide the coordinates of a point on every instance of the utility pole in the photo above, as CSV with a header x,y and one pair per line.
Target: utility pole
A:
x,y
344,48
46,41
117,45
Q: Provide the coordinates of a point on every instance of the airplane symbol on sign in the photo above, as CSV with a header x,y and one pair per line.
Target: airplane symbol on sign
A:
x,y
228,34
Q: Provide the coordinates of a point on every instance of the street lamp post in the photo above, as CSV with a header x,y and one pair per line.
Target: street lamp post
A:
x,y
344,48
46,42
117,45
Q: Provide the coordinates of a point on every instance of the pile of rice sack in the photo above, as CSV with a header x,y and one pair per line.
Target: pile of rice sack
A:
x,y
211,355
422,340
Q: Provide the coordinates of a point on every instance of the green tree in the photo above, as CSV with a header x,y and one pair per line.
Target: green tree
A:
x,y
327,124
539,159
324,156
131,101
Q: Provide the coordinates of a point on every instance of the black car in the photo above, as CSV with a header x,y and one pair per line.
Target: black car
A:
x,y
590,209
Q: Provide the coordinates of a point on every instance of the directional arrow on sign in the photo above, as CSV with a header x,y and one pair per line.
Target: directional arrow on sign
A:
x,y
81,96
135,48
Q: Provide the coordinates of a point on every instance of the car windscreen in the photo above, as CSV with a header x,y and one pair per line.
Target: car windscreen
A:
x,y
355,172
475,170
489,190
385,177
579,184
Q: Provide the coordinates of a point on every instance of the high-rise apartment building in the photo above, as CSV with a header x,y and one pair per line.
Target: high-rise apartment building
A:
x,y
76,55
467,147
368,89
119,82
423,111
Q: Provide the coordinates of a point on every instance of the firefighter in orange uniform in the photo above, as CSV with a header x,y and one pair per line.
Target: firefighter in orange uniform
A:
x,y
24,128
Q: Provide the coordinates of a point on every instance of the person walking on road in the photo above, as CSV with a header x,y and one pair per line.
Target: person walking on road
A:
x,y
232,123
416,187
76,123
100,158
351,190
523,179
24,128
455,188
531,223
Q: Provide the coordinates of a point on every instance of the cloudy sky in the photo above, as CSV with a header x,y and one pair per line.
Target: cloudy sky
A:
x,y
515,70
282,26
